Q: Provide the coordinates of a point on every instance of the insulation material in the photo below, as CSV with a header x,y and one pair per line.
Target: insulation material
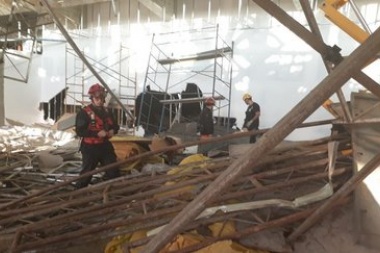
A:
x,y
222,228
181,241
31,139
126,147
188,160
177,170
228,246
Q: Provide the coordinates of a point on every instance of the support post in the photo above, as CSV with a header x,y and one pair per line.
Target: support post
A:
x,y
315,30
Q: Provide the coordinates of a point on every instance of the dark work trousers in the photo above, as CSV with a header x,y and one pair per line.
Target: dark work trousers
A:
x,y
252,139
94,155
204,148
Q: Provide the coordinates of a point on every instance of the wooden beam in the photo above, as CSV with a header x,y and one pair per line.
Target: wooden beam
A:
x,y
315,30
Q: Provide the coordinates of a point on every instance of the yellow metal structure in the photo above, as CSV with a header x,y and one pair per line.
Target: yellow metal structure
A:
x,y
330,8
328,106
336,3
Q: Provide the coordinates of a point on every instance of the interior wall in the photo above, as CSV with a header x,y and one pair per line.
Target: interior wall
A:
x,y
270,62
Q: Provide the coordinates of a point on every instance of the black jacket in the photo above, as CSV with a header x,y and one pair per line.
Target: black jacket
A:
x,y
206,122
249,115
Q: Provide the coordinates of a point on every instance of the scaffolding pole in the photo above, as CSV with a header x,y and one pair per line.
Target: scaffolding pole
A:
x,y
83,58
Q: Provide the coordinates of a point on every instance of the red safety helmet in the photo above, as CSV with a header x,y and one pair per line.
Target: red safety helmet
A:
x,y
210,101
96,90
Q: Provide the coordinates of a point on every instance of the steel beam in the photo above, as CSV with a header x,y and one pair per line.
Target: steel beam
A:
x,y
315,30
212,54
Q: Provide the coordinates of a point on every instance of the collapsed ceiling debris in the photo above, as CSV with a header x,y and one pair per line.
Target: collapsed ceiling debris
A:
x,y
15,139
283,188
286,186
260,188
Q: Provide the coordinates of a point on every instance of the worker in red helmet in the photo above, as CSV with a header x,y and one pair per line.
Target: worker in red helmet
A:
x,y
95,125
97,90
206,123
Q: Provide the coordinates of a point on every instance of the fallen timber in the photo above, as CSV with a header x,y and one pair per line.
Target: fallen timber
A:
x,y
119,188
79,235
136,203
60,186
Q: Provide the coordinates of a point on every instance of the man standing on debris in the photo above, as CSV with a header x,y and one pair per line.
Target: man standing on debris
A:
x,y
206,123
206,120
252,115
96,125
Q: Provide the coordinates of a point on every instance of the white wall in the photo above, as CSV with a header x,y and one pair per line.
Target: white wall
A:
x,y
270,62
46,78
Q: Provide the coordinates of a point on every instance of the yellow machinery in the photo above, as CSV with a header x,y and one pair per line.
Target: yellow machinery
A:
x,y
330,8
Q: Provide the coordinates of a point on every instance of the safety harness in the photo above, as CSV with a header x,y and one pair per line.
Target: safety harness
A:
x,y
97,124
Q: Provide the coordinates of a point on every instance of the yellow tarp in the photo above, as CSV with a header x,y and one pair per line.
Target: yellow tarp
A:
x,y
182,241
188,160
115,245
179,170
185,240
126,148
228,246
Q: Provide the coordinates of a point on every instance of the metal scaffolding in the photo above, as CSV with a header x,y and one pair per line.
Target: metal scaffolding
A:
x,y
19,42
175,61
115,68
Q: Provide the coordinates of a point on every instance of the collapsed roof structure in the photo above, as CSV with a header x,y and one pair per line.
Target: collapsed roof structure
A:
x,y
40,219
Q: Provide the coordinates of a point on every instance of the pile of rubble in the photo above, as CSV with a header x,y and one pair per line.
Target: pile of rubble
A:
x,y
41,210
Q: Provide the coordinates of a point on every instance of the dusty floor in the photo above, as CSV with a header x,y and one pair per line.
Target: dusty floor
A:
x,y
335,234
